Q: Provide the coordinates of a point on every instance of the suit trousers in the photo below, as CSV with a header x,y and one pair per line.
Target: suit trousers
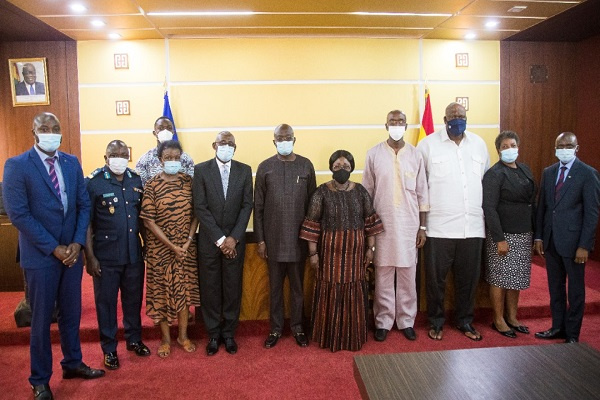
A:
x,y
220,289
277,274
49,285
463,257
395,302
128,278
560,270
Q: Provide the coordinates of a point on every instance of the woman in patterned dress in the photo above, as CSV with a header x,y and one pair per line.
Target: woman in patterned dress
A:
x,y
339,217
172,269
508,205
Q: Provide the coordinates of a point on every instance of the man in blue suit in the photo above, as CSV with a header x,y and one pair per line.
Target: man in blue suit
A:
x,y
46,200
566,222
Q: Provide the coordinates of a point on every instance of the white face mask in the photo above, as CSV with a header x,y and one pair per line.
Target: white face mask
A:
x,y
565,155
164,135
49,141
225,153
117,165
285,148
396,131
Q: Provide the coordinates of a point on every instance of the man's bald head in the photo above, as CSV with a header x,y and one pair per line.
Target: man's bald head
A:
x,y
43,118
566,137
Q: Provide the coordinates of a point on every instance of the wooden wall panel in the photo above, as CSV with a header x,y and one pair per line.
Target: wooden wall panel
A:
x,y
538,112
15,122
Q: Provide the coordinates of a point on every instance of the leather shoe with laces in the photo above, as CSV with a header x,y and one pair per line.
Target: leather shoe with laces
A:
x,y
230,345
84,372
380,334
111,360
272,339
42,392
301,339
212,347
409,333
139,348
551,333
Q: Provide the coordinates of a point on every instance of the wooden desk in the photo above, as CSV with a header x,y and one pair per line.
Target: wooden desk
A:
x,y
11,276
558,371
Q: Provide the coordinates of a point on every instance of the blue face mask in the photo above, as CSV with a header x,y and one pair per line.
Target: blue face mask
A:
x,y
456,127
225,153
509,155
172,167
285,148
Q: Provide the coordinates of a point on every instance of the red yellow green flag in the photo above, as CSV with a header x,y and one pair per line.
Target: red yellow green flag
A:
x,y
427,121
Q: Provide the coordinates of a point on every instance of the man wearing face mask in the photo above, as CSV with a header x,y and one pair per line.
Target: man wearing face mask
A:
x,y
222,192
113,252
284,184
46,201
455,162
567,217
395,178
149,165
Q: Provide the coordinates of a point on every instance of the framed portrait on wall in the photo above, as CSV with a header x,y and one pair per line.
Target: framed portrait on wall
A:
x,y
29,81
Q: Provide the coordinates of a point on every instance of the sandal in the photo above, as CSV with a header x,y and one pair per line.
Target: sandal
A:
x,y
436,333
470,332
187,345
164,350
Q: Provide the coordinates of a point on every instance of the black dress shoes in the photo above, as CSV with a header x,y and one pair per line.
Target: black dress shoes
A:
x,y
301,339
519,328
139,348
380,334
409,333
509,333
42,392
272,339
111,360
551,333
230,345
84,372
572,340
212,347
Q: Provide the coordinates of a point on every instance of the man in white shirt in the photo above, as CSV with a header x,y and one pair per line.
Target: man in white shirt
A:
x,y
455,161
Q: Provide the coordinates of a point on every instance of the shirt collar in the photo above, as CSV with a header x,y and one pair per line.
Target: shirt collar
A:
x,y
446,136
43,155
568,165
221,164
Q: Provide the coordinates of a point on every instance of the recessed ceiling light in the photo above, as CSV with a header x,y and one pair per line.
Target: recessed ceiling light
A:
x,y
492,24
470,36
114,36
97,23
516,9
78,7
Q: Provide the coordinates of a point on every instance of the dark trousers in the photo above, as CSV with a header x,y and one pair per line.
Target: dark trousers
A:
x,y
47,286
220,289
560,270
277,274
129,278
463,257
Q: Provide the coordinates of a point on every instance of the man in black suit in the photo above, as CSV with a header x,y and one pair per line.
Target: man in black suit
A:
x,y
566,222
29,86
222,203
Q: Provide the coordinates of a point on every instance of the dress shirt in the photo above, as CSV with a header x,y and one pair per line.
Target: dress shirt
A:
x,y
454,174
221,166
568,165
59,175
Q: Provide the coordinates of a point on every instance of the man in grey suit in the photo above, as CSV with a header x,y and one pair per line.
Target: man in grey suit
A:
x,y
222,191
567,217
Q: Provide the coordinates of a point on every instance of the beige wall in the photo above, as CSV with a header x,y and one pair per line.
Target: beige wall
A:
x,y
334,92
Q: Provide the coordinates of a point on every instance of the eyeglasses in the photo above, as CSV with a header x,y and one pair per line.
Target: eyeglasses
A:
x,y
338,167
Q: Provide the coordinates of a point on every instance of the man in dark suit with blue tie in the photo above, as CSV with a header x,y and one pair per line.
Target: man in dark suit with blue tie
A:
x,y
567,217
29,85
47,201
222,203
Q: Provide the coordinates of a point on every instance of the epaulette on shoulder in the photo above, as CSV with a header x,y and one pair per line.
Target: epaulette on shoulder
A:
x,y
133,171
94,173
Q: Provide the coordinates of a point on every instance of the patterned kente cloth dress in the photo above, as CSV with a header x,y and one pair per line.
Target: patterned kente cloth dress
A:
x,y
339,221
171,285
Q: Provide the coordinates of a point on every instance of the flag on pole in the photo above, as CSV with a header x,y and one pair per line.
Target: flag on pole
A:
x,y
167,113
427,121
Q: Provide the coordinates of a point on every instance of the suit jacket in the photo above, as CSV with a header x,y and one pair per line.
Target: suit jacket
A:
x,y
570,220
35,209
219,216
21,88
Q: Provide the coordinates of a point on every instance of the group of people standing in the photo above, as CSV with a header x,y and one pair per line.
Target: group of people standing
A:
x,y
441,196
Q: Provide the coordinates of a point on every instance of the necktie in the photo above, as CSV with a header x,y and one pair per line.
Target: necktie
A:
x,y
561,181
53,177
225,179
31,90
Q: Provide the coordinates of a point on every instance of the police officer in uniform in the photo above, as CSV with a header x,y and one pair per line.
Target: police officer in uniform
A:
x,y
114,253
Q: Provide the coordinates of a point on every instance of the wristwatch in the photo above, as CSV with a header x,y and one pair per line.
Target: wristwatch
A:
x,y
372,249
423,228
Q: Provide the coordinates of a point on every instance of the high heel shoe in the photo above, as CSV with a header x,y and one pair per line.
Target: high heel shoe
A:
x,y
509,333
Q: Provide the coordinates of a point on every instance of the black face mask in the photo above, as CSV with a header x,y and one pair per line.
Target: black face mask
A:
x,y
341,176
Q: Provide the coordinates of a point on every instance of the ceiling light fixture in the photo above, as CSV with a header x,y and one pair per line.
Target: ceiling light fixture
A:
x,y
97,23
492,24
470,36
517,9
114,36
400,14
76,7
200,13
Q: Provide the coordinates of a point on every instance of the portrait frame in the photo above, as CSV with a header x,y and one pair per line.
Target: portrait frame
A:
x,y
20,87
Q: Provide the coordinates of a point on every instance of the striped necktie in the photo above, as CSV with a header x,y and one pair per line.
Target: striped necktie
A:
x,y
53,177
559,184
